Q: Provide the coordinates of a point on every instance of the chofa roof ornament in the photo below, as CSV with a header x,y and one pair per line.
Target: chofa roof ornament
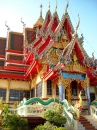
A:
x,y
77,26
23,23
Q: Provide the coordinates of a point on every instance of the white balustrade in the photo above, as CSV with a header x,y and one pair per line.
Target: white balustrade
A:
x,y
93,110
33,110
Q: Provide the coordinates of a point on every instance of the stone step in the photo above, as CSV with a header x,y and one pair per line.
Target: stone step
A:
x,y
86,123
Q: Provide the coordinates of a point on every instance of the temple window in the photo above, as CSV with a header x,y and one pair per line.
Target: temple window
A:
x,y
17,95
39,90
49,87
3,93
33,93
82,92
74,88
57,90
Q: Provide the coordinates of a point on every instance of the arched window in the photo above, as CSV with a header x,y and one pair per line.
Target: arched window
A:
x,y
74,88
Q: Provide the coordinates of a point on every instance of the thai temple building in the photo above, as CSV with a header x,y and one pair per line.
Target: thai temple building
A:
x,y
47,61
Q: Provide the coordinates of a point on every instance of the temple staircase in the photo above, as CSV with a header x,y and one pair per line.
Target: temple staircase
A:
x,y
88,122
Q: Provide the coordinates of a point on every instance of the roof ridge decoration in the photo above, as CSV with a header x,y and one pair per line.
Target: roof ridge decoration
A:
x,y
66,15
8,28
77,25
42,31
58,31
72,43
49,30
23,23
24,39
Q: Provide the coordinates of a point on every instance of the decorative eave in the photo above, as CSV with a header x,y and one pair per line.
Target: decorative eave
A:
x,y
14,68
50,75
2,57
16,52
12,76
31,69
92,75
15,62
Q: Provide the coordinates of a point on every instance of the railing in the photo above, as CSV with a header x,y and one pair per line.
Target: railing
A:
x,y
69,117
36,107
34,110
93,110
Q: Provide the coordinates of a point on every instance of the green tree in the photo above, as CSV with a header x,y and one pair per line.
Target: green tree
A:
x,y
54,119
12,121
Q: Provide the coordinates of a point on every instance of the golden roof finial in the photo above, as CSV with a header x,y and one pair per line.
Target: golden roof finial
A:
x,y
41,10
56,6
67,6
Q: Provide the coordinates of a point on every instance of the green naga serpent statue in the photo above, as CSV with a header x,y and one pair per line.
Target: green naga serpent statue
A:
x,y
74,110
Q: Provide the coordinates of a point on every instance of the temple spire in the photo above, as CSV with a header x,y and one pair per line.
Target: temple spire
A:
x,y
49,5
56,6
67,6
41,10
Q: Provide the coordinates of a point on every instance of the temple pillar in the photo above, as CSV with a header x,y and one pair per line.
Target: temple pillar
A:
x,y
88,98
61,89
61,92
8,91
44,89
30,88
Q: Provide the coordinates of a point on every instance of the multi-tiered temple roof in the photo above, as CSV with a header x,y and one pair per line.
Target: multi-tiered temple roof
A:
x,y
52,45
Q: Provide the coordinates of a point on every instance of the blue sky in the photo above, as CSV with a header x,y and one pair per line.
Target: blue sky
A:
x,y
12,11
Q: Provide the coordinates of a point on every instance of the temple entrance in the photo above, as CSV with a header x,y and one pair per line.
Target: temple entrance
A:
x,y
92,96
74,88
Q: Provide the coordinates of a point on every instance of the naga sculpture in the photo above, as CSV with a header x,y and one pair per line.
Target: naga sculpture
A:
x,y
76,109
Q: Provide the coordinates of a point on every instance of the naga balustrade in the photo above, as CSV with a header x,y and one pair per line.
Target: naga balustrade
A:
x,y
33,110
36,107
